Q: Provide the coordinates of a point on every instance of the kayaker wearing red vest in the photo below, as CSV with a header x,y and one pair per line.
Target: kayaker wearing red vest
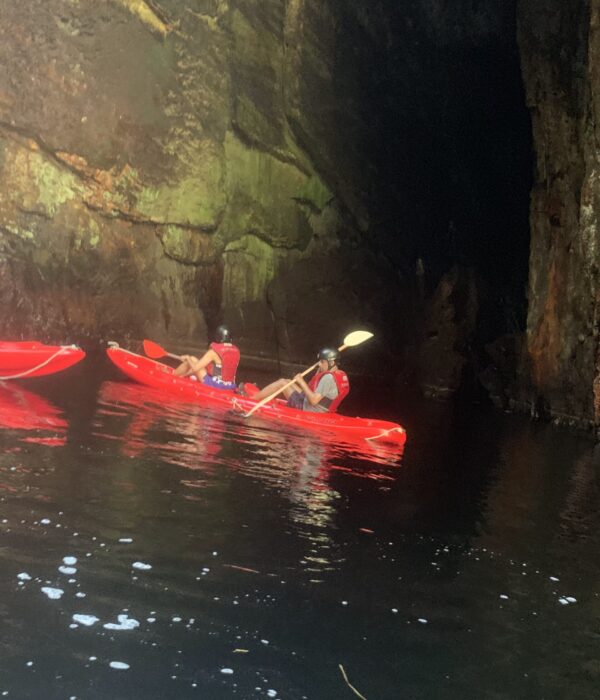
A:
x,y
324,392
217,367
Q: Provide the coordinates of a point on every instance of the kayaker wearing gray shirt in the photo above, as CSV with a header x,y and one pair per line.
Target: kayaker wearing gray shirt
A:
x,y
326,388
323,393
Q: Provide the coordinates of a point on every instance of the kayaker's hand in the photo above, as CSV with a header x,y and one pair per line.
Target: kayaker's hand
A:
x,y
299,379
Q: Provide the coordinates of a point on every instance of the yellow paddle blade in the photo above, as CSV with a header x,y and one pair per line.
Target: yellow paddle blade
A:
x,y
356,338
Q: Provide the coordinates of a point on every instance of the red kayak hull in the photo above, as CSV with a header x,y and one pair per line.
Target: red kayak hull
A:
x,y
159,376
32,359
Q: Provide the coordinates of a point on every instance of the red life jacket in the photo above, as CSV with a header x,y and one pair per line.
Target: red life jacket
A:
x,y
230,359
343,386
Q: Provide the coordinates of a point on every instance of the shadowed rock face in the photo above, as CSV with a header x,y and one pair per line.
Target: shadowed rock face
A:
x,y
559,44
284,166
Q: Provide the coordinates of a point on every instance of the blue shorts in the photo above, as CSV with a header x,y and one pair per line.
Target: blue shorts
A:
x,y
217,383
296,400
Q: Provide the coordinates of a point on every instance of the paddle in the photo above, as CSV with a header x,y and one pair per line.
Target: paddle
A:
x,y
350,341
155,351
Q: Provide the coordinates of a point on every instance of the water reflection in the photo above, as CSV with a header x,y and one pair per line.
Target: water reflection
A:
x,y
297,465
179,434
169,551
581,512
24,411
196,437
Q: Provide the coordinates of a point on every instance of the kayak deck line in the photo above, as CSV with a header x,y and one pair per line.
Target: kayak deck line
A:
x,y
33,359
160,376
386,433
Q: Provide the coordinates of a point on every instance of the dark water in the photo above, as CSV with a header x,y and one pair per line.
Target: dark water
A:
x,y
466,568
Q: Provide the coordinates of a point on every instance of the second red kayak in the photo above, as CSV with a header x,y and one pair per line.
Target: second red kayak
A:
x,y
159,376
32,359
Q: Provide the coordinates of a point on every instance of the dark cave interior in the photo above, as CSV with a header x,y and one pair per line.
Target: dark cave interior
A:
x,y
452,149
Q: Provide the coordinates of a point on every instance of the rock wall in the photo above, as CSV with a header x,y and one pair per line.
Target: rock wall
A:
x,y
560,44
296,168
167,166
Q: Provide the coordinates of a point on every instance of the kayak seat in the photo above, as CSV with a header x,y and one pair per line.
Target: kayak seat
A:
x,y
247,389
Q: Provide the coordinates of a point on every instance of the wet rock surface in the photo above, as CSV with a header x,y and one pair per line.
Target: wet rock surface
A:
x,y
295,169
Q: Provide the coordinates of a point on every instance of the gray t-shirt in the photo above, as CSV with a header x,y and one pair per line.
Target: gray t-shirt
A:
x,y
327,388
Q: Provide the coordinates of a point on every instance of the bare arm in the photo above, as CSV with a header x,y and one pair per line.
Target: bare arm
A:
x,y
209,356
312,397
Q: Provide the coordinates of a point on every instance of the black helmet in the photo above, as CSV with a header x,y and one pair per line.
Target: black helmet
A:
x,y
330,354
222,335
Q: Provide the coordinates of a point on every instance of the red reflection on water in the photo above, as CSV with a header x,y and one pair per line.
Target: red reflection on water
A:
x,y
199,438
21,409
161,425
48,441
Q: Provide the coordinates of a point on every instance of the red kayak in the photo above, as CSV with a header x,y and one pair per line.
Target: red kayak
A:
x,y
159,376
33,359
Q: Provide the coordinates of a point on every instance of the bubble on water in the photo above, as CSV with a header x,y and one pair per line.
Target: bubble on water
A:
x,y
80,595
124,623
29,663
227,671
125,540
151,619
553,578
566,600
119,665
141,566
45,521
70,561
86,620
93,658
68,570
23,576
52,593
176,619
503,596
271,693
422,620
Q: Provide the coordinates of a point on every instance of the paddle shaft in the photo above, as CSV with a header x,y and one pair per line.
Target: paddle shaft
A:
x,y
156,351
284,387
